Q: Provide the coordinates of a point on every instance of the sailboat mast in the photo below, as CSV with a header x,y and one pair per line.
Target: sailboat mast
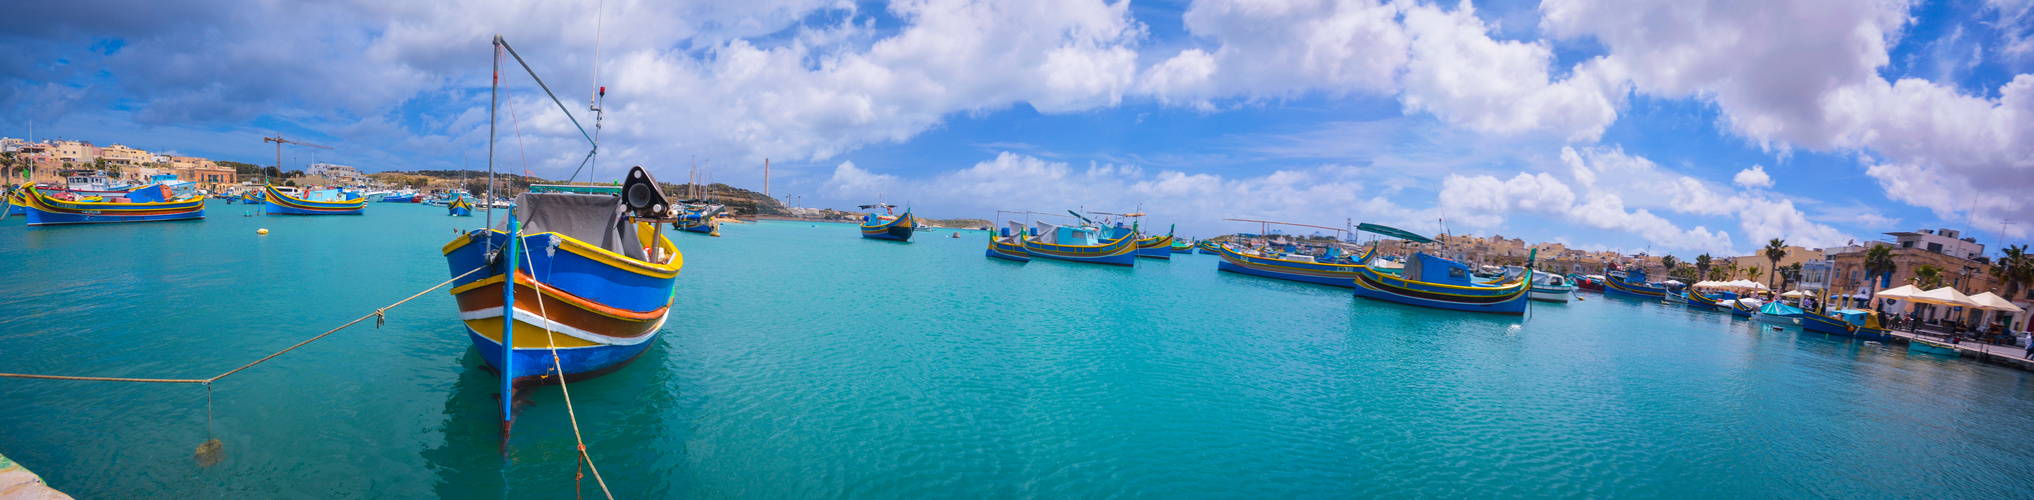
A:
x,y
493,101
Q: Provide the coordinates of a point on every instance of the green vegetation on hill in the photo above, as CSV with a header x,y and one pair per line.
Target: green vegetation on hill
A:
x,y
741,202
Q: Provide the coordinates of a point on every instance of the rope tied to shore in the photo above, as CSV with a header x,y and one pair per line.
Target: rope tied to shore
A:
x,y
212,450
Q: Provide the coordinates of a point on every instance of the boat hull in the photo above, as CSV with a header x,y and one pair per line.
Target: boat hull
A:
x,y
1552,294
1342,275
1509,300
597,309
42,210
1007,251
1156,247
1616,287
1119,252
1742,311
1703,302
280,203
1932,347
899,229
1819,323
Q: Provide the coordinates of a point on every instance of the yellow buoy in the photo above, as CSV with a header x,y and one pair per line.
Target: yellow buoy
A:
x,y
261,231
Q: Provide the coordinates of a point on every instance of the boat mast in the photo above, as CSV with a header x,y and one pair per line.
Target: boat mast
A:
x,y
493,99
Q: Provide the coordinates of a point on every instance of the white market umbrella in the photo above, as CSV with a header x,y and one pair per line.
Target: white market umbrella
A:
x,y
1794,294
1943,296
1903,292
1993,302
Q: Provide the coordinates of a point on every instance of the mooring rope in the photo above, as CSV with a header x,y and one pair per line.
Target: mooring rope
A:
x,y
573,415
378,313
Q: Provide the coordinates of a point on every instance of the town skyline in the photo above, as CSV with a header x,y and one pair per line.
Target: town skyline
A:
x,y
1552,120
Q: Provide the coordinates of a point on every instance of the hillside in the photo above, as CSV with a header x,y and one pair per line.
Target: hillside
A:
x,y
740,202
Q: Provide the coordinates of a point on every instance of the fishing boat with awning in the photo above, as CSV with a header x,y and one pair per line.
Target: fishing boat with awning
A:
x,y
1430,281
1632,283
1088,242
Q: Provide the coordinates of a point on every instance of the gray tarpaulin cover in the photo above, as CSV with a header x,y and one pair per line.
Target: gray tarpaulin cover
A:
x,y
591,218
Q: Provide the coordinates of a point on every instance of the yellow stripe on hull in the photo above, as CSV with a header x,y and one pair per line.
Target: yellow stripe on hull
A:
x,y
528,336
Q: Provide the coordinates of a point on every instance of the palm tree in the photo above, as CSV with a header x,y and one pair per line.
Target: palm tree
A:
x,y
1751,271
2015,270
1928,276
1669,262
1702,265
1878,262
1775,250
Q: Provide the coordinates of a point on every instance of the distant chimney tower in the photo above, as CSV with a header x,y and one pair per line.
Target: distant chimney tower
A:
x,y
766,177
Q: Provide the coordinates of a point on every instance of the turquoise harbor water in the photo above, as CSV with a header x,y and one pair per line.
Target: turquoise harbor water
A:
x,y
804,361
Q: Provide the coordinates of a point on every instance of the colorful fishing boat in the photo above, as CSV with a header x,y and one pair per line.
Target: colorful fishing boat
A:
x,y
1429,281
1743,307
322,202
1632,283
1779,313
888,227
1550,287
1086,243
1207,248
699,218
1180,246
1009,245
399,197
1846,322
1702,301
251,197
1588,283
1155,247
17,201
1925,346
140,205
592,284
1287,266
460,206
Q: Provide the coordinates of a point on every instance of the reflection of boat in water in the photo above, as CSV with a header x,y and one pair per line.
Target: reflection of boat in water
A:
x,y
590,282
1550,287
321,202
890,226
150,204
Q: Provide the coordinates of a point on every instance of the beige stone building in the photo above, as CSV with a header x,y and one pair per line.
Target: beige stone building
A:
x,y
124,156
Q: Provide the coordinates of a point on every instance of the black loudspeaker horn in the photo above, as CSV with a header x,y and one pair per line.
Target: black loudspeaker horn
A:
x,y
642,195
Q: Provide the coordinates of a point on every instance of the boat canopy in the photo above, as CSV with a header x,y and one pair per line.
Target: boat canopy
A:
x,y
1431,269
1779,309
1858,317
594,219
1394,232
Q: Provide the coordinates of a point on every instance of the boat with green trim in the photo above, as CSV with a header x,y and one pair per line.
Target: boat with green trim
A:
x,y
1429,281
149,204
1116,246
890,226
320,202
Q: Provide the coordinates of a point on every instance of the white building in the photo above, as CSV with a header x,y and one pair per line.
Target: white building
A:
x,y
342,173
1942,241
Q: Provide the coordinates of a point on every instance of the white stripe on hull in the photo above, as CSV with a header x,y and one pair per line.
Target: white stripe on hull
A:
x,y
533,319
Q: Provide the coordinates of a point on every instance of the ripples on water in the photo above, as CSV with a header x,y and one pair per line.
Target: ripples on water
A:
x,y
806,362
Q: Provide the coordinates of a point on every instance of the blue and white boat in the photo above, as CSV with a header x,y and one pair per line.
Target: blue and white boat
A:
x,y
890,226
1779,313
1325,270
1846,322
1429,281
1009,245
1085,243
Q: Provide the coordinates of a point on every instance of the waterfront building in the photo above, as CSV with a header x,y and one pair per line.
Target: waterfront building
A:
x,y
1942,241
338,173
74,152
123,156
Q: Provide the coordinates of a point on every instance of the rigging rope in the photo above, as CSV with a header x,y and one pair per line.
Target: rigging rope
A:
x,y
208,381
559,368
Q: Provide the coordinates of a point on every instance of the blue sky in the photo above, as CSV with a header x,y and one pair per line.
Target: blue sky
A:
x,y
1675,127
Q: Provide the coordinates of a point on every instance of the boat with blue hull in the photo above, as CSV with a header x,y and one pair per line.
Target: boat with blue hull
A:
x,y
1155,247
1090,244
1290,267
1742,307
1846,322
151,204
1207,248
699,218
17,201
1702,301
1429,281
323,202
888,227
584,286
1926,346
460,206
1180,246
1633,284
